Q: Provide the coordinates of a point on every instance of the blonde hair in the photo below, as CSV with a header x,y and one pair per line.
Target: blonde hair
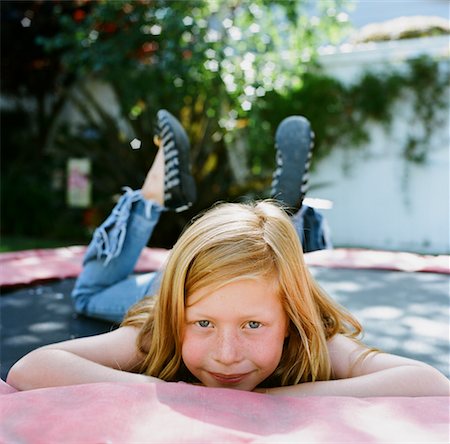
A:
x,y
231,242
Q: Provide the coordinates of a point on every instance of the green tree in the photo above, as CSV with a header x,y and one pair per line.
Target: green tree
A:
x,y
33,95
212,63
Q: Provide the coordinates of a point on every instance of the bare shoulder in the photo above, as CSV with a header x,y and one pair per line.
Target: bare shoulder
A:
x,y
350,358
343,352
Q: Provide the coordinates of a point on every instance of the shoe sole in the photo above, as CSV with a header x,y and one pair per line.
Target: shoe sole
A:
x,y
294,141
176,150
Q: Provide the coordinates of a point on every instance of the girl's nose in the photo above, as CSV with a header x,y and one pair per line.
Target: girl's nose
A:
x,y
228,348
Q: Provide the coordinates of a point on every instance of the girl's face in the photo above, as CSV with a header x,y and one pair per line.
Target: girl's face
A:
x,y
234,335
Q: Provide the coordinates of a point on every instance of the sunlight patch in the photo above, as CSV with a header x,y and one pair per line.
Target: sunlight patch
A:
x,y
135,144
427,327
381,312
41,327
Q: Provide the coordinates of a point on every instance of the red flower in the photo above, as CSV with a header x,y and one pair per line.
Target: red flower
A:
x,y
150,47
109,28
79,15
187,54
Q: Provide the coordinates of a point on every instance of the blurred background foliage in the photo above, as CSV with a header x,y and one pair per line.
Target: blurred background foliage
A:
x,y
229,70
208,62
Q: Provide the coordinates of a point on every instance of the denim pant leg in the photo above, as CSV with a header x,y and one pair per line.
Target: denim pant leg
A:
x,y
105,289
297,221
312,229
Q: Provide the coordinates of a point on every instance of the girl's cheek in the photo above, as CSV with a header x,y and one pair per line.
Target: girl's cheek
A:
x,y
191,347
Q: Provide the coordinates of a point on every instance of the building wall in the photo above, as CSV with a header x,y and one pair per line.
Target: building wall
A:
x,y
381,201
363,12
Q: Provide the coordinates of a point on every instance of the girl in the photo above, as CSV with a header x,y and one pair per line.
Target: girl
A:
x,y
236,308
106,287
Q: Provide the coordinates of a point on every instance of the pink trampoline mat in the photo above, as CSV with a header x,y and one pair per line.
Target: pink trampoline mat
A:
x,y
175,413
31,266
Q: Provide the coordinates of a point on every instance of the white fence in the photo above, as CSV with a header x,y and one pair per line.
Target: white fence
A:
x,y
383,202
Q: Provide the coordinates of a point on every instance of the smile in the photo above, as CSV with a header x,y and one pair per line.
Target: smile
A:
x,y
229,379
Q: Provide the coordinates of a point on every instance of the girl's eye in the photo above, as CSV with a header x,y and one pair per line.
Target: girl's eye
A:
x,y
203,324
253,324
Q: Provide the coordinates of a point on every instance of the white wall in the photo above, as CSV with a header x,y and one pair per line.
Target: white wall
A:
x,y
383,202
105,97
363,12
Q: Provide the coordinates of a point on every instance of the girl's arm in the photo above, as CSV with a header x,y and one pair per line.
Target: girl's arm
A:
x,y
374,374
110,357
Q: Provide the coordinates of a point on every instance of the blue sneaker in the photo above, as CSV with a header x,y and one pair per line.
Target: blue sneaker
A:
x,y
179,185
294,141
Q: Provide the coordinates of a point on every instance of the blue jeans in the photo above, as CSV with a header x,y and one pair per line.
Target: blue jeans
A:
x,y
312,229
106,287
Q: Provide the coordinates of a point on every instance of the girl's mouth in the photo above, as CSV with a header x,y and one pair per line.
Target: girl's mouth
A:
x,y
229,379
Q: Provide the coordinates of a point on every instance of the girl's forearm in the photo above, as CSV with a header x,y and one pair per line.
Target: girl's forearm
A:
x,y
54,367
398,381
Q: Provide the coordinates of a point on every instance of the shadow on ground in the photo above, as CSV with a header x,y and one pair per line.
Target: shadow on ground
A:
x,y
39,315
402,313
